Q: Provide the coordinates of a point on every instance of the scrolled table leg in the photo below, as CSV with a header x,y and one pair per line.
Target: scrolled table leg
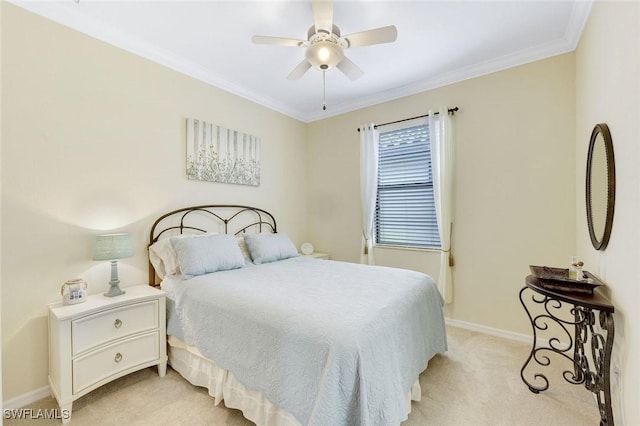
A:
x,y
532,355
601,351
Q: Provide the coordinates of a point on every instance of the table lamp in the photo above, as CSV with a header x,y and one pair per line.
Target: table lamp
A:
x,y
113,247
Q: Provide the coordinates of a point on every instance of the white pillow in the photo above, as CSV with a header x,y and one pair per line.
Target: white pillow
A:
x,y
212,253
163,257
265,248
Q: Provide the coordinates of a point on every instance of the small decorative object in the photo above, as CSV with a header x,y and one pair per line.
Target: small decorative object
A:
x,y
579,272
74,291
575,269
113,247
559,279
306,248
217,154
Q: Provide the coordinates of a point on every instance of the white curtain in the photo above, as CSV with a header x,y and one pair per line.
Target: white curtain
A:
x,y
368,188
443,172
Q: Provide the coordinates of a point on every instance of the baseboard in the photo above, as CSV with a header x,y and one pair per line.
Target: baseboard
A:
x,y
26,398
519,337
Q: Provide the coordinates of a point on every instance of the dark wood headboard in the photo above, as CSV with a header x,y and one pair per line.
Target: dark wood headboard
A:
x,y
222,218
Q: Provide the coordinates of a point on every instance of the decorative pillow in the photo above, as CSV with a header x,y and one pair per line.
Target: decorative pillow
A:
x,y
199,256
265,248
163,257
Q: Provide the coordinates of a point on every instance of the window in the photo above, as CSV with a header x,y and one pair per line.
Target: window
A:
x,y
405,207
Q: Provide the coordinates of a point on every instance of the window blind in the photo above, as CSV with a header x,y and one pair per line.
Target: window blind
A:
x,y
405,207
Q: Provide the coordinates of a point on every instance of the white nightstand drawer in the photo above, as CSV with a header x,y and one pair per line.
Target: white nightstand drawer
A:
x,y
103,327
99,365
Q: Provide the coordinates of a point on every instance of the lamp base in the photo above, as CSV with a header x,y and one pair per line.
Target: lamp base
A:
x,y
114,290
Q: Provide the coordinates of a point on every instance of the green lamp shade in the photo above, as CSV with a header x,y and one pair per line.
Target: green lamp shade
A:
x,y
113,246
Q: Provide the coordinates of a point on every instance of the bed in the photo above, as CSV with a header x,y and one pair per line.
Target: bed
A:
x,y
286,339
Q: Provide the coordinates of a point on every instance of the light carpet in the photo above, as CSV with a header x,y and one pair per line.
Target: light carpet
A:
x,y
476,382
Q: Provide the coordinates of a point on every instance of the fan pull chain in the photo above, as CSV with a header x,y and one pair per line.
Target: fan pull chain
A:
x,y
324,90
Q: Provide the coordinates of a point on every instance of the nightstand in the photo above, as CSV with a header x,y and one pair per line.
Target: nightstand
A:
x,y
102,339
317,255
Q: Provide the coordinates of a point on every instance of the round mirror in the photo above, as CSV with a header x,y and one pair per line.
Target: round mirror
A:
x,y
600,186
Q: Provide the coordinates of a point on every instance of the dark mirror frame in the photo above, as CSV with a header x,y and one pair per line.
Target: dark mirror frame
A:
x,y
600,241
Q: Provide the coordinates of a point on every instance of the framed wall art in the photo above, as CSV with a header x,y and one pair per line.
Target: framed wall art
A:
x,y
218,154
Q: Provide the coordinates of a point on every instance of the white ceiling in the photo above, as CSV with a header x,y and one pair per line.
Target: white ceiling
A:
x,y
439,42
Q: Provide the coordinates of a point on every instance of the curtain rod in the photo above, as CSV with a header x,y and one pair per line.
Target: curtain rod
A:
x,y
451,111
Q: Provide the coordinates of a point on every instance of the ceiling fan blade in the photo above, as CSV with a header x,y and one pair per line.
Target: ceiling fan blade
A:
x,y
323,15
299,70
349,69
375,36
279,41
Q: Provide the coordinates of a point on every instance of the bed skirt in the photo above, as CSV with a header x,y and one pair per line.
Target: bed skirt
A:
x,y
223,386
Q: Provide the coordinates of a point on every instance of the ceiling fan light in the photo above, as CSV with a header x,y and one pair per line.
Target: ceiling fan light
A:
x,y
324,55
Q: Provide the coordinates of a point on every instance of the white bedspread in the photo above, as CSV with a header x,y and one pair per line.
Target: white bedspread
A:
x,y
332,343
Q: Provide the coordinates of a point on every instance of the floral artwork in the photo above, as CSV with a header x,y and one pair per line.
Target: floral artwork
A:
x,y
217,154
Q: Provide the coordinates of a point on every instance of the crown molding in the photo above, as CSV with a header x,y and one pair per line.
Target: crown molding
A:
x,y
461,74
66,13
577,22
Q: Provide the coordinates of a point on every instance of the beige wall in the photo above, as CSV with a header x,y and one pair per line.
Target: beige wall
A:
x,y
608,91
93,140
515,185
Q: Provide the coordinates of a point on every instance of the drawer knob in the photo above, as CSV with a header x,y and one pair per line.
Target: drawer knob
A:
x,y
117,323
118,357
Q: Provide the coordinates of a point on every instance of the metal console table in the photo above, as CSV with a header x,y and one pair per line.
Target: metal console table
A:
x,y
576,334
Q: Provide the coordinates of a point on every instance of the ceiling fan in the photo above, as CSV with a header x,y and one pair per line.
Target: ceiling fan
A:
x,y
325,45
